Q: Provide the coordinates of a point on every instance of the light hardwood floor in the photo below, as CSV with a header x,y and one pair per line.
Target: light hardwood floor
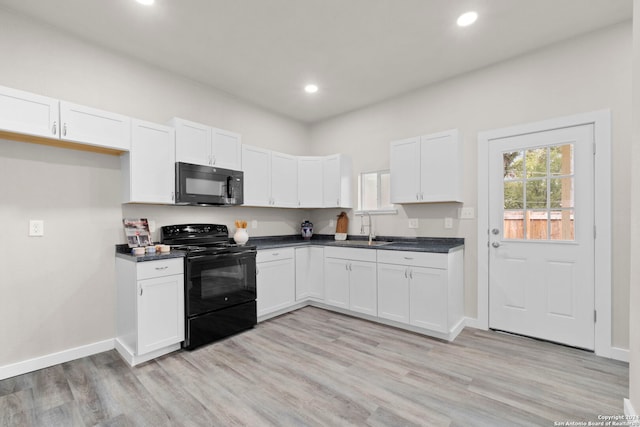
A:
x,y
317,368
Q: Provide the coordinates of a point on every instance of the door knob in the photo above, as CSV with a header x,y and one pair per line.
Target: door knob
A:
x,y
495,244
495,231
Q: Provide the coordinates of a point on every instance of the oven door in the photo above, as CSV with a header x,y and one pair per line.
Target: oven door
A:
x,y
206,185
214,282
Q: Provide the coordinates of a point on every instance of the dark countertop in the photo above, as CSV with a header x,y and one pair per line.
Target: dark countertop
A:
x,y
420,244
123,251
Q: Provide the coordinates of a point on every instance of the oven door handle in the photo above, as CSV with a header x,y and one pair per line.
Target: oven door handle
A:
x,y
224,255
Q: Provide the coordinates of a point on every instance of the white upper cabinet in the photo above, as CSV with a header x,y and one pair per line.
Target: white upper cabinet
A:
x,y
427,169
193,142
226,149
337,181
310,182
91,126
149,167
28,113
284,180
256,164
204,145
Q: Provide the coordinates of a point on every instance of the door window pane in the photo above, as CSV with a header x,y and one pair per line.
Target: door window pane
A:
x,y
538,193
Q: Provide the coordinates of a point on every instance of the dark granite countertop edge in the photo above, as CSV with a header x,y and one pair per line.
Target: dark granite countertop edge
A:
x,y
123,251
419,244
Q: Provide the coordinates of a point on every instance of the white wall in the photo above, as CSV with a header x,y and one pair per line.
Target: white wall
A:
x,y
634,291
57,291
584,74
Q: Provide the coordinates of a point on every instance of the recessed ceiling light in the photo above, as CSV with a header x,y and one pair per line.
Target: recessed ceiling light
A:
x,y
467,19
311,88
146,2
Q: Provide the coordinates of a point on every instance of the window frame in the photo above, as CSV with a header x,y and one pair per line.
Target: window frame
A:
x,y
379,210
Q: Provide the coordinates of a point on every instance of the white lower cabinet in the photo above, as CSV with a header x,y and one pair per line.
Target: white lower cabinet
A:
x,y
309,273
350,279
150,308
424,290
275,281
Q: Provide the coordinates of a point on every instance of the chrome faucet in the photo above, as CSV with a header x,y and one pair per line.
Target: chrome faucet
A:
x,y
362,225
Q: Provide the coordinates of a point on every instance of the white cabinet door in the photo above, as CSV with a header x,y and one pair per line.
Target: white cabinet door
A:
x,y
336,282
429,302
405,171
309,273
440,166
28,113
226,151
160,312
337,181
275,285
363,290
256,164
310,182
284,180
94,127
393,292
193,142
149,167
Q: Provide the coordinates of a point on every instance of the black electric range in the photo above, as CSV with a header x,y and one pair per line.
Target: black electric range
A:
x,y
220,282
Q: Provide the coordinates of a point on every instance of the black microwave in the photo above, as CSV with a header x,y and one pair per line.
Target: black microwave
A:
x,y
208,185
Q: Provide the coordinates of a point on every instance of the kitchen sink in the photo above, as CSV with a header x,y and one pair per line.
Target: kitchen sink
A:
x,y
361,243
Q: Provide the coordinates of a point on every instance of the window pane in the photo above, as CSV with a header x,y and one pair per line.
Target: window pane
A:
x,y
513,165
513,195
561,192
536,163
369,191
536,223
536,194
385,190
513,225
561,159
562,225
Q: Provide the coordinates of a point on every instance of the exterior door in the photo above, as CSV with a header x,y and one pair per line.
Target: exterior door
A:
x,y
541,217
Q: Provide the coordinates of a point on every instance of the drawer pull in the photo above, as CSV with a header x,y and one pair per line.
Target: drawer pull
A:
x,y
162,268
408,257
275,253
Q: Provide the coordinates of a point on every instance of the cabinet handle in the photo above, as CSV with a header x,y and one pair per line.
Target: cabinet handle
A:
x,y
162,268
173,196
337,202
275,253
408,257
54,130
141,290
417,196
406,273
64,130
411,274
421,196
257,270
213,160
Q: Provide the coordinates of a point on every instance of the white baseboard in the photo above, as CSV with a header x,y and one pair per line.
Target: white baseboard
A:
x,y
619,354
472,322
628,410
45,361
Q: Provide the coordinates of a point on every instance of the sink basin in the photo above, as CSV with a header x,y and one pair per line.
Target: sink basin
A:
x,y
361,243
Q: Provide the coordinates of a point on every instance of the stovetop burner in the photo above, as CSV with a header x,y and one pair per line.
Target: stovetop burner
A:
x,y
200,239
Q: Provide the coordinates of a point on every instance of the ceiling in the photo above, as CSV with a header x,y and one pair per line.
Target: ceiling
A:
x,y
357,51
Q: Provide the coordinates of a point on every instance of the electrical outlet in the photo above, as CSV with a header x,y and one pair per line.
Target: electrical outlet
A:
x,y
448,222
413,222
467,213
332,223
254,223
36,228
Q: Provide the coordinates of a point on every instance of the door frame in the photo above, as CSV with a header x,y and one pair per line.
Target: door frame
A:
x,y
601,121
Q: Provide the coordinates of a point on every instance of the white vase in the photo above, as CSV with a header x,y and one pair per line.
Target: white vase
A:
x,y
241,236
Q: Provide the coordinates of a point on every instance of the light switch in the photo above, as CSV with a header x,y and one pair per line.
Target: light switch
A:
x,y
448,222
467,213
254,223
413,222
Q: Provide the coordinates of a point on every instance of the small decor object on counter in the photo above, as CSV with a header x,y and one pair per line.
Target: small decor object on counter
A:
x,y
342,226
241,236
137,232
306,229
137,251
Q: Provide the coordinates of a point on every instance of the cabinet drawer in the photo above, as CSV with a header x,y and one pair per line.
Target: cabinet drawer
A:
x,y
350,253
274,254
417,259
150,269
